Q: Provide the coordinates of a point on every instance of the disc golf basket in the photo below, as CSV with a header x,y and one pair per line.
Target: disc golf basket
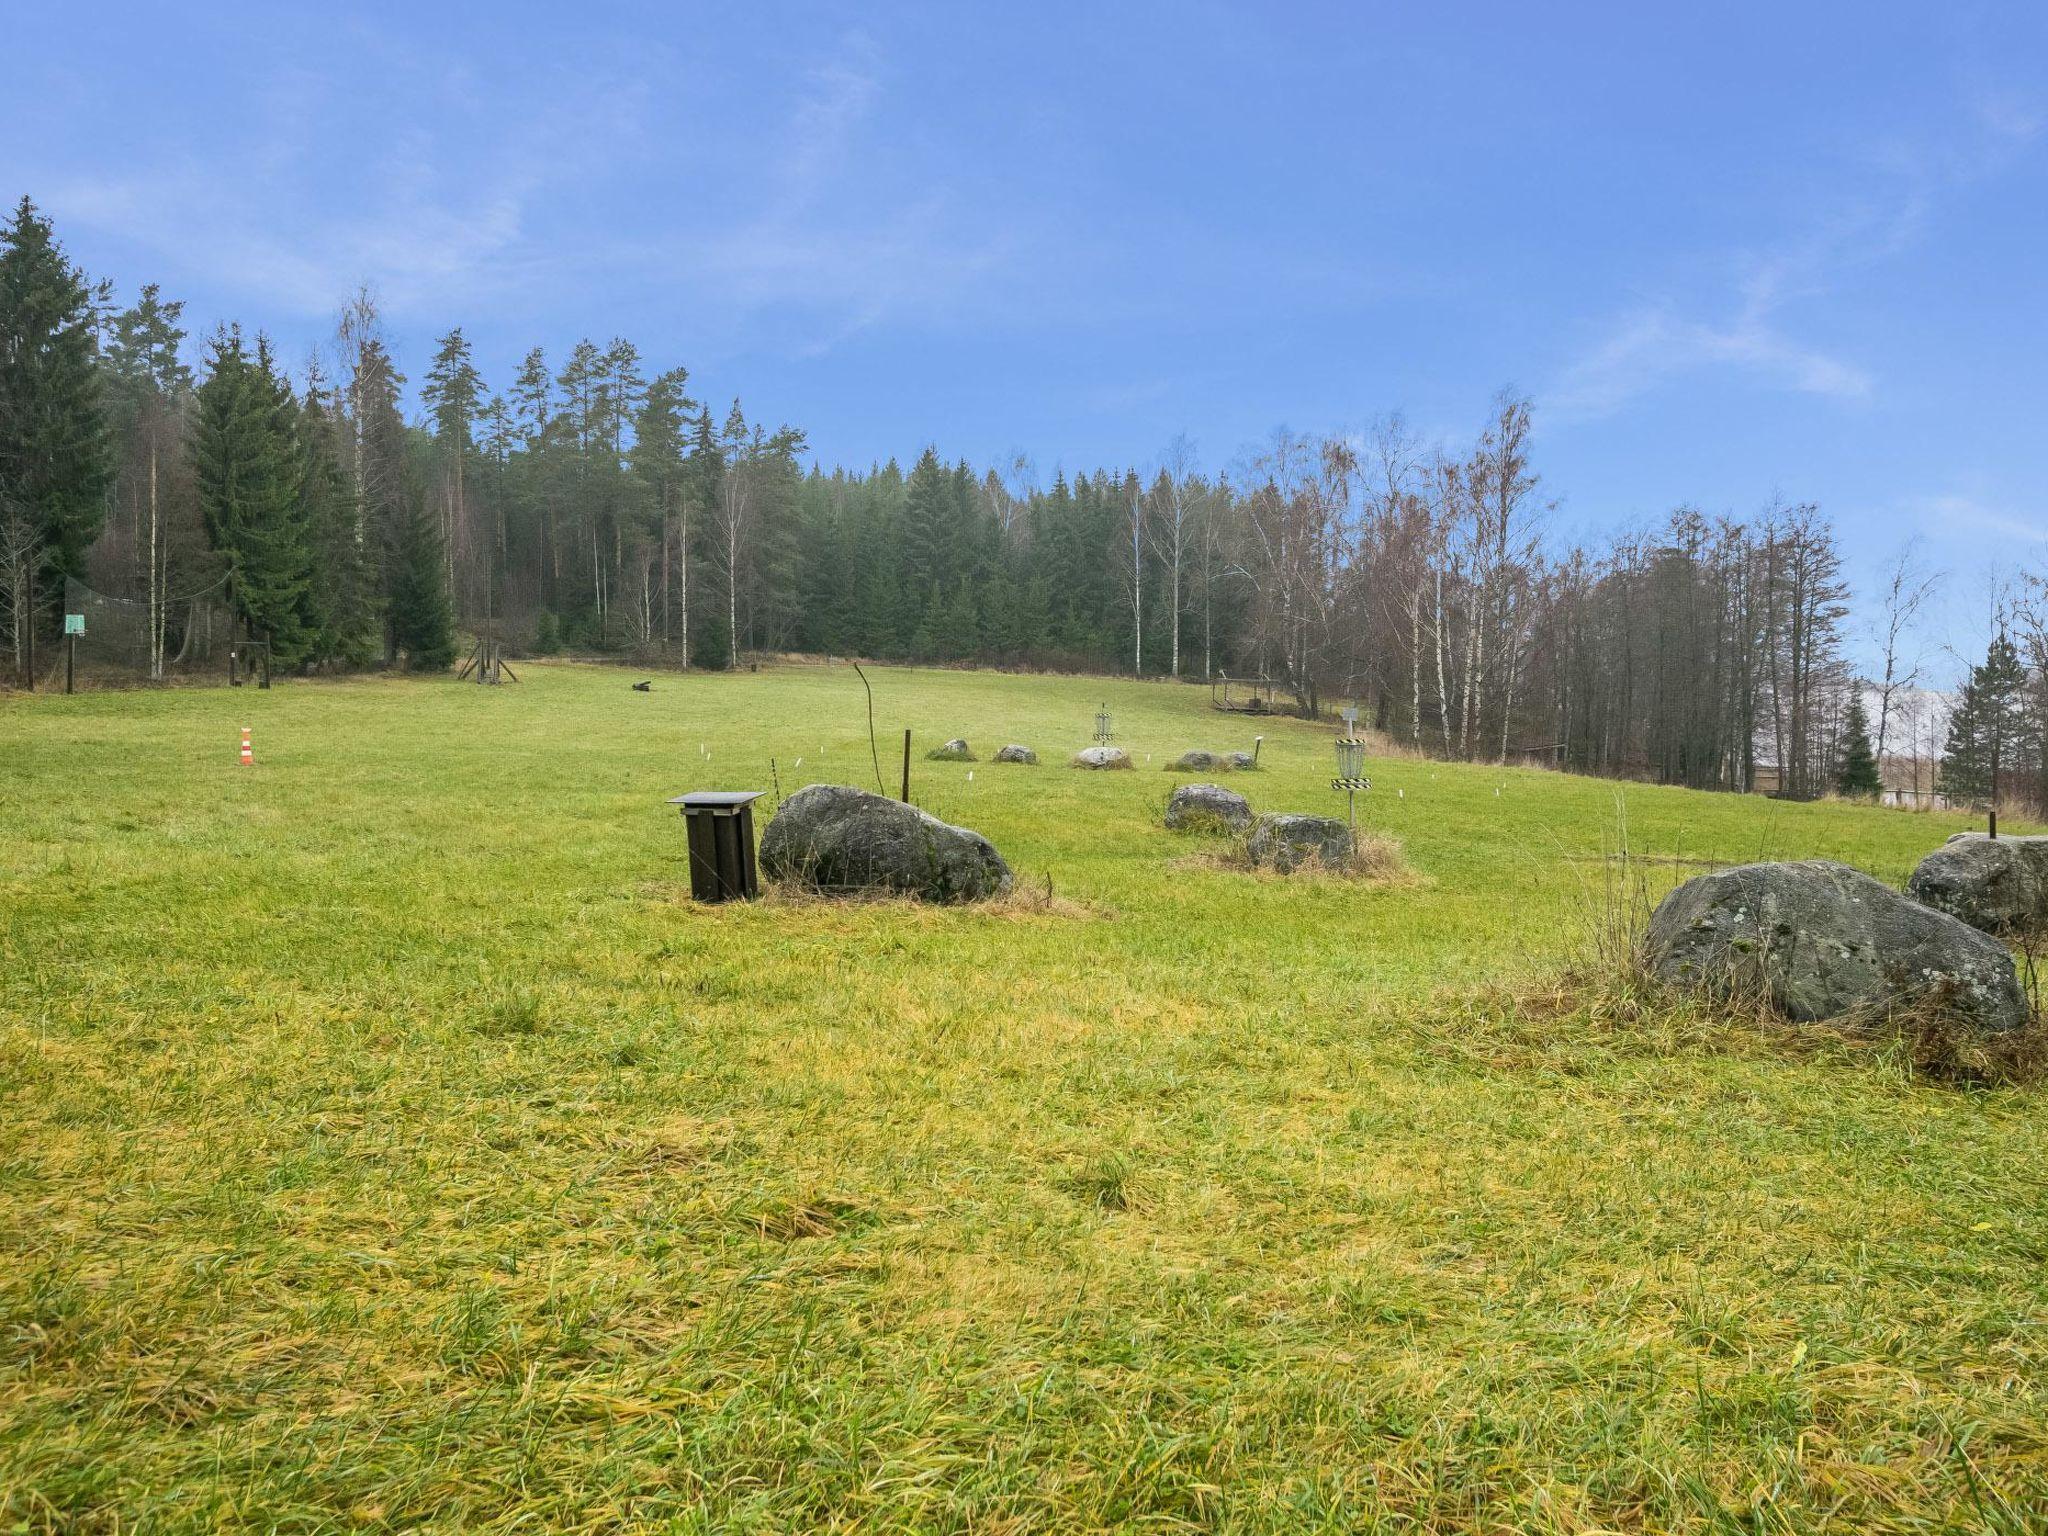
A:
x,y
249,659
1350,777
1243,696
1103,732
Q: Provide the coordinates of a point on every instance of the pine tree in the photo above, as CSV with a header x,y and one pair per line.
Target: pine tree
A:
x,y
1857,774
453,394
152,398
338,601
246,463
384,516
56,455
418,616
661,472
1989,740
959,625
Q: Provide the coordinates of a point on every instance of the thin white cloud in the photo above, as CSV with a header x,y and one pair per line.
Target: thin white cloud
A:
x,y
1753,329
1943,514
1656,344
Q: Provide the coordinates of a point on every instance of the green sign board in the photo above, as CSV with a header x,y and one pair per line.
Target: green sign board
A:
x,y
74,623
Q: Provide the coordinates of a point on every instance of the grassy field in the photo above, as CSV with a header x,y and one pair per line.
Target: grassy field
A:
x,y
387,1141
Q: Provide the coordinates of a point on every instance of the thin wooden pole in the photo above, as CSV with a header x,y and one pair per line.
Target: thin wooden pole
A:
x,y
906,765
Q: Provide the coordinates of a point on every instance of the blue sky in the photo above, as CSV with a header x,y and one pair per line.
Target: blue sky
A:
x,y
1732,251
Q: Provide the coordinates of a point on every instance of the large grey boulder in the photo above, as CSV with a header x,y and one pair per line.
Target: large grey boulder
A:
x,y
1199,807
1016,754
1289,842
954,751
1997,884
1102,757
836,838
1198,761
1823,941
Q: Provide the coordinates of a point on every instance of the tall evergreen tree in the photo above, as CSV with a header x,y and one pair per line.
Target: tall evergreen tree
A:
x,y
152,398
385,514
246,463
453,395
56,456
1857,774
1990,739
417,616
338,606
661,469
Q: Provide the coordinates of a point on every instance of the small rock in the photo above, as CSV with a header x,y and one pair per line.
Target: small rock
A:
x,y
954,751
1197,761
833,837
1290,842
1016,754
1102,757
1243,762
1824,941
1194,807
1999,885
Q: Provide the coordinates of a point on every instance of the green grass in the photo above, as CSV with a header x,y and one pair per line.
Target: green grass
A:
x,y
387,1141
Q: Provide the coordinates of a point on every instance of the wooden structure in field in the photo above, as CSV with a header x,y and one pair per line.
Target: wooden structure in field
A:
x,y
486,663
1244,695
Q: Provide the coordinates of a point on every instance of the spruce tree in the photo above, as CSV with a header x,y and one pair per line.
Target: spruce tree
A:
x,y
1857,775
1989,740
337,609
245,460
56,453
417,616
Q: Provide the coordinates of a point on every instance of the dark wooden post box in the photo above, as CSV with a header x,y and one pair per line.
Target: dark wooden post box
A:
x,y
720,823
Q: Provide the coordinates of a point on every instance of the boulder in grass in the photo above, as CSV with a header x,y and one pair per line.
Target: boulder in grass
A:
x,y
1820,940
1199,807
1102,757
1016,754
1999,885
954,751
1289,842
1243,762
837,839
1198,761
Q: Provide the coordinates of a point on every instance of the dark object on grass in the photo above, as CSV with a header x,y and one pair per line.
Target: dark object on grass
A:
x,y
1819,940
1198,761
643,687
1243,762
954,751
1196,807
1016,754
835,838
1999,885
720,823
1288,842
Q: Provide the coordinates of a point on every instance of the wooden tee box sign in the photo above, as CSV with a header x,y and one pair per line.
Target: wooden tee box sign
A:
x,y
720,824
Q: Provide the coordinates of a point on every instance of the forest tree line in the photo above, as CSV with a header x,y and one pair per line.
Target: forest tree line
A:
x,y
597,502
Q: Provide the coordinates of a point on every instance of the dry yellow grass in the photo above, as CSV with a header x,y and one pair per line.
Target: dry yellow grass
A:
x,y
385,1144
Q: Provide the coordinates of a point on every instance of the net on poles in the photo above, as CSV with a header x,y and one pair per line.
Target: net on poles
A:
x,y
195,632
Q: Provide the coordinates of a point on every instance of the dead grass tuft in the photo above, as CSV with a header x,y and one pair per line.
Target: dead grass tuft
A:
x,y
1376,859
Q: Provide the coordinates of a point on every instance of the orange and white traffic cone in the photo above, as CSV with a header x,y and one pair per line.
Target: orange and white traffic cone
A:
x,y
248,757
